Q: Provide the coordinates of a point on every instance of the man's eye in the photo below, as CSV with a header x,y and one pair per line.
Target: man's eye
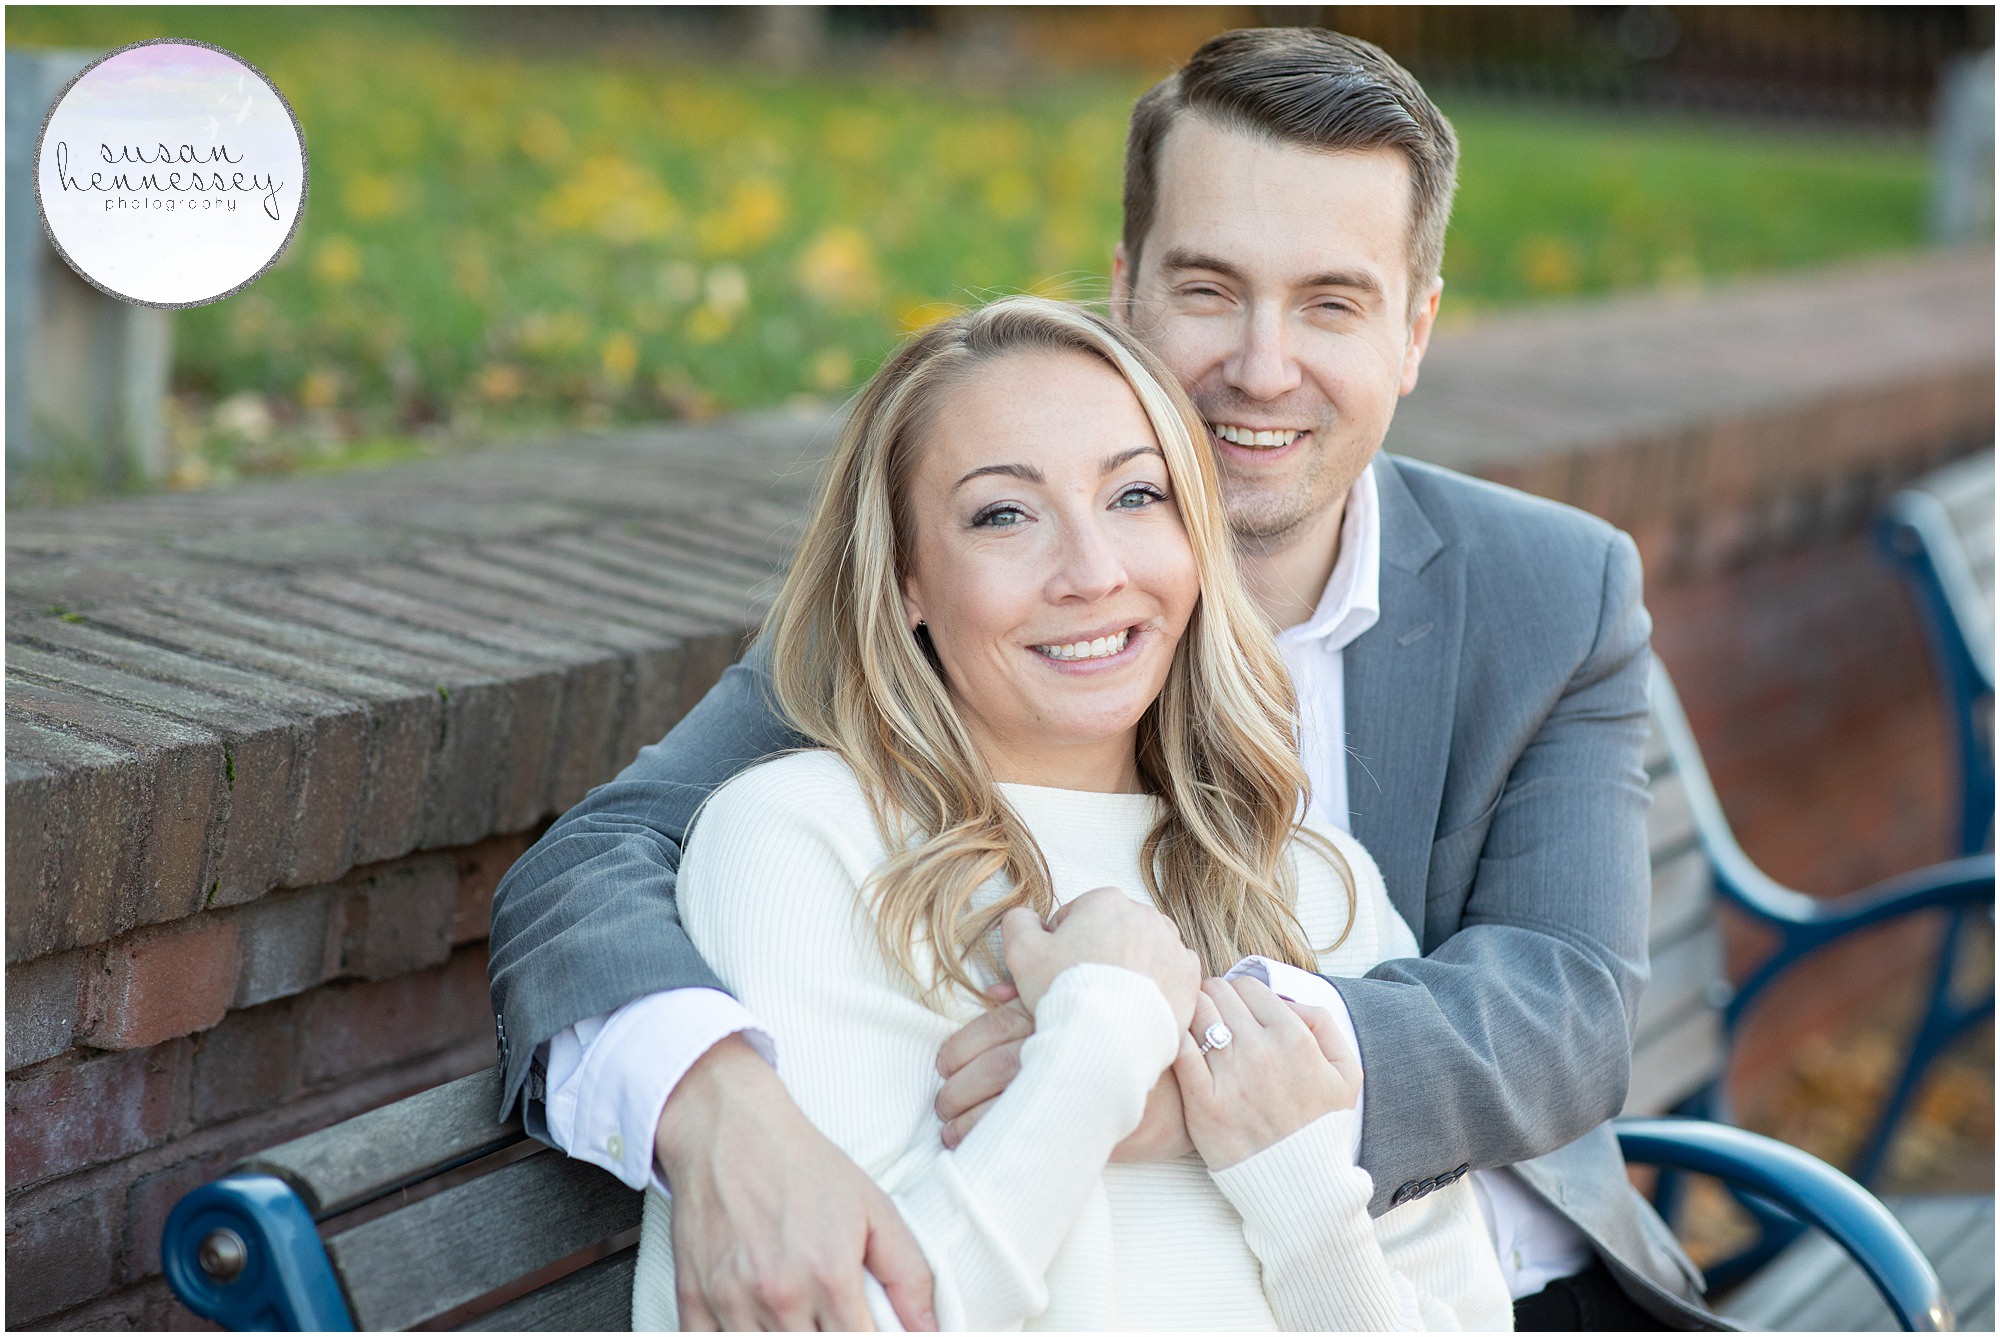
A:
x,y
1133,498
998,517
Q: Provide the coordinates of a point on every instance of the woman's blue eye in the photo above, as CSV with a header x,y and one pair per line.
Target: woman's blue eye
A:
x,y
1132,498
998,517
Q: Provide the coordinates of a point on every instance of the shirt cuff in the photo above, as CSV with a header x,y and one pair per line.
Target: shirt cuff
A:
x,y
1304,987
609,1076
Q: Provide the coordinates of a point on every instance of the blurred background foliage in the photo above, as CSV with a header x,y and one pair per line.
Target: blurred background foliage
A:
x,y
523,219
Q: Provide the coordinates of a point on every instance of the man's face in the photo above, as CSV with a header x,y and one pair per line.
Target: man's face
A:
x,y
1275,282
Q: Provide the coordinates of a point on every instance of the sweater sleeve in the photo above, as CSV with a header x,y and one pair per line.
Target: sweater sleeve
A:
x,y
1304,1200
1304,1204
771,895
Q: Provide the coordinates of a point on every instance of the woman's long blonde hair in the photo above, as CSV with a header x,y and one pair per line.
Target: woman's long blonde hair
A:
x,y
846,669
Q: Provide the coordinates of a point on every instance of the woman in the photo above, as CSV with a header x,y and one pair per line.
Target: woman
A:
x,y
1015,629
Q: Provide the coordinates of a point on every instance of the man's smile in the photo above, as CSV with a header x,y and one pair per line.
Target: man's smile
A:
x,y
1256,438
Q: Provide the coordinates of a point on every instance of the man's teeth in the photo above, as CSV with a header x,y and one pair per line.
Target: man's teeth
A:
x,y
1243,436
1097,649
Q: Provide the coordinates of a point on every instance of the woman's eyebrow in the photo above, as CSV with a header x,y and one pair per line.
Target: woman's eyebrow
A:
x,y
1027,473
1113,461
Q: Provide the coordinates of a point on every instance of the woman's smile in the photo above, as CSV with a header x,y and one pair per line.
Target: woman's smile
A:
x,y
1091,651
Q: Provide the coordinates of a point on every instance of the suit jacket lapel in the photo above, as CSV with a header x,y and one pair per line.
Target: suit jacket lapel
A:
x,y
1401,681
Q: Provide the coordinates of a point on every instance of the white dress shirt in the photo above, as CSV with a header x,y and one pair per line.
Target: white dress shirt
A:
x,y
609,1077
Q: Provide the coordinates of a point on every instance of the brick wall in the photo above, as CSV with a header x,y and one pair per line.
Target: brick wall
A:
x,y
269,750
199,1042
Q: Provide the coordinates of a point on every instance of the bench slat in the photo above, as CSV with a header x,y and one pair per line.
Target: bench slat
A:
x,y
1683,895
1684,973
1670,822
1813,1286
1675,1063
597,1298
1656,752
448,1250
352,1163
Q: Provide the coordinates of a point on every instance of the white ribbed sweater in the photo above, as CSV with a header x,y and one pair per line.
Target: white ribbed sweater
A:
x,y
1026,1224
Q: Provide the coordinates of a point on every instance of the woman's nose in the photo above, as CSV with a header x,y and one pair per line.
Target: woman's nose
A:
x,y
1091,565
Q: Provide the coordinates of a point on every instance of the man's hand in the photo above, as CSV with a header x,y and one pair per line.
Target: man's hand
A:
x,y
773,1225
982,1057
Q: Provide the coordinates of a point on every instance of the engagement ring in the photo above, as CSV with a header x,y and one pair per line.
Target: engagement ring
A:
x,y
1217,1036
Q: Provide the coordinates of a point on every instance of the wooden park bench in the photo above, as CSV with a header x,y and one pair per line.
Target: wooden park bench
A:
x,y
429,1212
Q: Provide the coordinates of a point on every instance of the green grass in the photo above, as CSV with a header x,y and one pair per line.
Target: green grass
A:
x,y
499,239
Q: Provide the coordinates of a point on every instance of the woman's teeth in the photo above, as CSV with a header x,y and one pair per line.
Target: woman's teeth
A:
x,y
1097,649
1243,436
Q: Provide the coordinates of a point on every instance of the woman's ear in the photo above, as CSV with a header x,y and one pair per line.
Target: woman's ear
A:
x,y
913,613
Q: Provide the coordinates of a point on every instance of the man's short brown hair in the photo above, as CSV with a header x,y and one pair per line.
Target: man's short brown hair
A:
x,y
1312,88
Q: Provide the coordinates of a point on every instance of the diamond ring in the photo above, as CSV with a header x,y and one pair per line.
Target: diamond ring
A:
x,y
1217,1036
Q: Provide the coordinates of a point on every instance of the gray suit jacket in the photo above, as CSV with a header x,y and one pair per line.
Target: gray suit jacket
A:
x,y
1497,718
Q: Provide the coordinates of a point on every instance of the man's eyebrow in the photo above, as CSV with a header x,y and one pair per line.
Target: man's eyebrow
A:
x,y
1179,259
1027,473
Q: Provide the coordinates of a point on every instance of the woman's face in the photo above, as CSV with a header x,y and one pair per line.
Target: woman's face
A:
x,y
1049,564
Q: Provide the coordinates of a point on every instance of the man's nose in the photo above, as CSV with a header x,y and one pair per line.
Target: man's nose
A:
x,y
1262,365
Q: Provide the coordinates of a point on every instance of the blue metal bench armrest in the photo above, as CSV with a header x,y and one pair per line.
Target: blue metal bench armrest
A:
x,y
1961,889
1917,536
1812,1191
244,1252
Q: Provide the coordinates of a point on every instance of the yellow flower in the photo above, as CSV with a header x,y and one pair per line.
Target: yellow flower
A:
x,y
705,324
614,198
852,134
337,261
542,137
914,316
1009,194
1550,265
620,356
838,269
498,382
831,369
1060,287
371,196
752,216
552,333
320,388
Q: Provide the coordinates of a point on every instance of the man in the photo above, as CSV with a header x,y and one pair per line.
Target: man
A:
x,y
1471,670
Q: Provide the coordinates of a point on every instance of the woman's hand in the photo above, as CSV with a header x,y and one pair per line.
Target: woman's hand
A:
x,y
1107,927
1282,1067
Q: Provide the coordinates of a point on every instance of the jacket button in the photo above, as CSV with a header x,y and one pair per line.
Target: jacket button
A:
x,y
1404,1194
